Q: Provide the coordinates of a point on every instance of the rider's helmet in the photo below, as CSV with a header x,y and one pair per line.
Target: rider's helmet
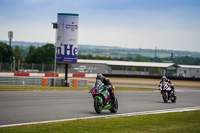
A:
x,y
164,78
100,77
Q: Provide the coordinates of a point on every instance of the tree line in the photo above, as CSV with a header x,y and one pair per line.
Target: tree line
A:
x,y
185,60
45,54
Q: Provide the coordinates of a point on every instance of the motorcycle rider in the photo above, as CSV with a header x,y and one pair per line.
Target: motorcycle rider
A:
x,y
108,85
164,78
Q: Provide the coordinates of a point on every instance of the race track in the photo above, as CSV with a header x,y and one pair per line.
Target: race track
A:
x,y
34,106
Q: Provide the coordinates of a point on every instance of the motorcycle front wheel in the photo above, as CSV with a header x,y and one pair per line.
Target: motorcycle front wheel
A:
x,y
97,105
165,96
114,106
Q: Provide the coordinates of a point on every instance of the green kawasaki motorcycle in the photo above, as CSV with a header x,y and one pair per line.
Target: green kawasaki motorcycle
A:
x,y
102,98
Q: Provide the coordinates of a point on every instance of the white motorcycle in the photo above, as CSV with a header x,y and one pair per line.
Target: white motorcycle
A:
x,y
167,92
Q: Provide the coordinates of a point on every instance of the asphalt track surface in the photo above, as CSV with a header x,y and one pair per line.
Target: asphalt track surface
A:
x,y
35,106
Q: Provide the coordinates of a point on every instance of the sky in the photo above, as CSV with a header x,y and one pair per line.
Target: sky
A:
x,y
165,24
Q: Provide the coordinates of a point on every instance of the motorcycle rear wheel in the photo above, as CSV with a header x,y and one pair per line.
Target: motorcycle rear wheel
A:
x,y
97,106
114,107
174,98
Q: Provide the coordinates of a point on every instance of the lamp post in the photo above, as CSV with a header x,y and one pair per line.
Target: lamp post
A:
x,y
10,36
14,64
55,26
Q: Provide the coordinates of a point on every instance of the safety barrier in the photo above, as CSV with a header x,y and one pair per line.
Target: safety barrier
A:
x,y
3,74
42,81
77,82
21,81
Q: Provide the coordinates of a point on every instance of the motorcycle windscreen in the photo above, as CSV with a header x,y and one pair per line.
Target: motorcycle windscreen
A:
x,y
163,83
97,83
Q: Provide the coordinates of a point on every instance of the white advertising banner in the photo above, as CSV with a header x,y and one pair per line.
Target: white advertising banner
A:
x,y
67,38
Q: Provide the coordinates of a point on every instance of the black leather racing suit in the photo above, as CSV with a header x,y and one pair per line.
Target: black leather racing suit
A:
x,y
108,85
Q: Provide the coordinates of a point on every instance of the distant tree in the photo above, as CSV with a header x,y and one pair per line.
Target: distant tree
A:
x,y
6,53
18,54
186,60
90,56
44,54
155,59
141,58
197,61
125,59
97,57
28,58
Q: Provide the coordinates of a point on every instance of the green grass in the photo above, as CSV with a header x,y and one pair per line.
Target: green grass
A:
x,y
49,88
180,122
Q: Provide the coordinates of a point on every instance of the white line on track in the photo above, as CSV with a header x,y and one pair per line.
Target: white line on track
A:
x,y
110,116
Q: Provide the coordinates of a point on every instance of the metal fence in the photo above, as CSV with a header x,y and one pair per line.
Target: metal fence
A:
x,y
60,68
29,67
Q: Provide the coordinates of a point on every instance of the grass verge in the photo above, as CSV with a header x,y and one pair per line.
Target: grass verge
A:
x,y
179,122
49,88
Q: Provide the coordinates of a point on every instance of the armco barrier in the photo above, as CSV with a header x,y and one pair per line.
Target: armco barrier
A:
x,y
77,82
41,81
20,81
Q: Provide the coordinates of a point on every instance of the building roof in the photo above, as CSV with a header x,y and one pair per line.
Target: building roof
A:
x,y
126,63
190,66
